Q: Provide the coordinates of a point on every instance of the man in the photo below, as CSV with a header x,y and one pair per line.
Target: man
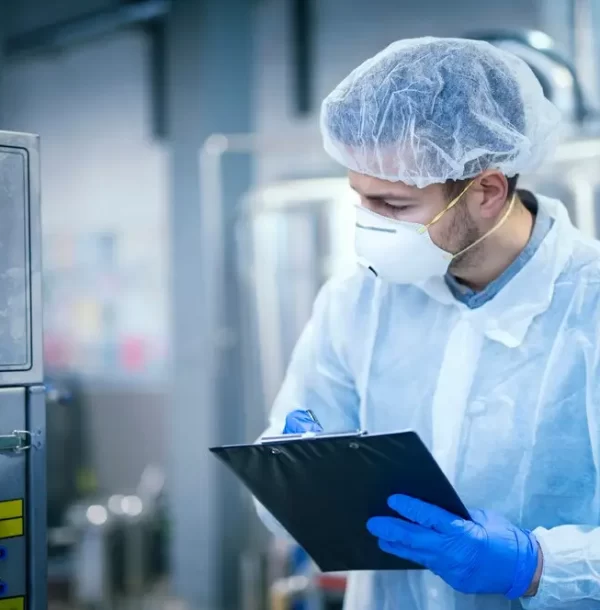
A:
x,y
472,320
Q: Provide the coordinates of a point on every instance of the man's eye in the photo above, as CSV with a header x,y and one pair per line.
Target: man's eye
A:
x,y
385,208
396,207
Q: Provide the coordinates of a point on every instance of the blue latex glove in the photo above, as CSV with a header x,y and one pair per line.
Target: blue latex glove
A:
x,y
486,555
300,421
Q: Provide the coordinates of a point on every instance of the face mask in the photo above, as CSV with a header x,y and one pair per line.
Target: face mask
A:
x,y
403,252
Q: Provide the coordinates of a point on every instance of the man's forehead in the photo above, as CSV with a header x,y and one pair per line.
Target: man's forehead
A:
x,y
389,162
368,186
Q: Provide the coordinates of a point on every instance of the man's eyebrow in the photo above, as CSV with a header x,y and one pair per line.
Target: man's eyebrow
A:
x,y
384,195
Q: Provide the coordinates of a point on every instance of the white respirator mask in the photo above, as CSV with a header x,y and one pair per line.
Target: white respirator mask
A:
x,y
403,252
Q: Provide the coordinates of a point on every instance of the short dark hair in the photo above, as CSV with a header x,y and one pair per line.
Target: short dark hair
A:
x,y
454,188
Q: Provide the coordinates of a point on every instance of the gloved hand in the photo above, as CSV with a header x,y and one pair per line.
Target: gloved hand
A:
x,y
300,421
486,555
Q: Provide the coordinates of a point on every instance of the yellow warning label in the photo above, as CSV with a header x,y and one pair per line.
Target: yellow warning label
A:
x,y
11,509
11,528
12,603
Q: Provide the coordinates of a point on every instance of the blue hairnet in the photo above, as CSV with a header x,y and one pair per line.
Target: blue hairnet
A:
x,y
429,110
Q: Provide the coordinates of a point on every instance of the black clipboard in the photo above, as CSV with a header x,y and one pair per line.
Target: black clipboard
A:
x,y
324,488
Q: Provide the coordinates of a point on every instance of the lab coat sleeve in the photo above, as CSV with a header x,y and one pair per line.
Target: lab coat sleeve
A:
x,y
571,573
318,376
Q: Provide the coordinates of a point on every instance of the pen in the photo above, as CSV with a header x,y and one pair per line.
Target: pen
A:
x,y
313,417
297,435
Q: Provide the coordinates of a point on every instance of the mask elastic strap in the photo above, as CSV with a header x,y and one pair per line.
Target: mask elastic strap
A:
x,y
448,207
493,229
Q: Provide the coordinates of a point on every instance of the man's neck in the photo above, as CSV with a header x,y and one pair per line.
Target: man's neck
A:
x,y
498,251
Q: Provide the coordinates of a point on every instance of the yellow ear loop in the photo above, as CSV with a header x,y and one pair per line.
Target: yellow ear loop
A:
x,y
493,229
448,207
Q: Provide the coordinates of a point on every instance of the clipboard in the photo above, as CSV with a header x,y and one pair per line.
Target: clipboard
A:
x,y
322,488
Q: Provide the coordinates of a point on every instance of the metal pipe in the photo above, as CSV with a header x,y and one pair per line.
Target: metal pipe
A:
x,y
576,150
212,262
584,48
532,41
87,27
210,159
302,28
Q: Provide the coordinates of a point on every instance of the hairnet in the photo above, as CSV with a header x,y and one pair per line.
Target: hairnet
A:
x,y
428,110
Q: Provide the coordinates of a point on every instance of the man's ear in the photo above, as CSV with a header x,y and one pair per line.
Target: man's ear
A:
x,y
492,189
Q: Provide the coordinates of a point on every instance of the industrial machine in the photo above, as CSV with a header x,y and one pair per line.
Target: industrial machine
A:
x,y
22,397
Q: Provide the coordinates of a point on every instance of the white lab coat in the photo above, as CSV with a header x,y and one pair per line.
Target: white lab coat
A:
x,y
507,396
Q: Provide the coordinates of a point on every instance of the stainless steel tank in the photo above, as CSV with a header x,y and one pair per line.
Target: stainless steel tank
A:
x,y
292,236
573,176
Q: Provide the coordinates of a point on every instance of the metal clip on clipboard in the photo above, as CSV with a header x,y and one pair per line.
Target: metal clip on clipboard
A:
x,y
308,435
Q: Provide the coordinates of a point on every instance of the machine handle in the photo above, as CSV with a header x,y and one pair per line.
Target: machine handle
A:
x,y
19,440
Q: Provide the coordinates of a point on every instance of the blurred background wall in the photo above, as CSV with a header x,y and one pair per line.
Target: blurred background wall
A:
x,y
106,175
132,228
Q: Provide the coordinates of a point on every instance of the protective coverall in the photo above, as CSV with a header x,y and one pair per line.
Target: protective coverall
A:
x,y
504,387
